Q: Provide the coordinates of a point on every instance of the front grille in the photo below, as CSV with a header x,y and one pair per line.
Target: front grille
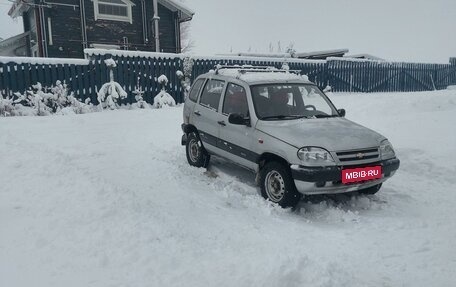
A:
x,y
358,156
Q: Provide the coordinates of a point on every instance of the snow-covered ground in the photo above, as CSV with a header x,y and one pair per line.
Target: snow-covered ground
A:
x,y
108,199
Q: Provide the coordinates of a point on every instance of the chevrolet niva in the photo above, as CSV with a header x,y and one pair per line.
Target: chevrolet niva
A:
x,y
283,127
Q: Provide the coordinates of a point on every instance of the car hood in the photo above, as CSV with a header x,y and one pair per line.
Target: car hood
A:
x,y
333,134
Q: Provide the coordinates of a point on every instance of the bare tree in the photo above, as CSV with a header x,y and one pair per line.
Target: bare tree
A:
x,y
187,43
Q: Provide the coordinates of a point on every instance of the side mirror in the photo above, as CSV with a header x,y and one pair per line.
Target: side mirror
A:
x,y
238,119
341,112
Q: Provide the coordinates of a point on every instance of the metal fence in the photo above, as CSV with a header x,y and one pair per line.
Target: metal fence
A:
x,y
85,77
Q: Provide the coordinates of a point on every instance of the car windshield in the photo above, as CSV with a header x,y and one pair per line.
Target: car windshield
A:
x,y
291,101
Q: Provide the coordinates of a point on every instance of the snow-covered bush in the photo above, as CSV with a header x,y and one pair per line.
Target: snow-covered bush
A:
x,y
163,81
138,92
39,101
184,77
163,98
110,92
285,66
188,67
185,83
6,107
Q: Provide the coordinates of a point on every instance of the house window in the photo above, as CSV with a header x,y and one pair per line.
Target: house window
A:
x,y
117,10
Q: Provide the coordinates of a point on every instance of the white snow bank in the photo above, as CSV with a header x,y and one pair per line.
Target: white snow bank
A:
x,y
108,199
37,61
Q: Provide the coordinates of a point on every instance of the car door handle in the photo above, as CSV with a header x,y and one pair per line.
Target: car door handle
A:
x,y
222,123
197,113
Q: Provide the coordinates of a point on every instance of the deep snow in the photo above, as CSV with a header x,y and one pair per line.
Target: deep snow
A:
x,y
108,199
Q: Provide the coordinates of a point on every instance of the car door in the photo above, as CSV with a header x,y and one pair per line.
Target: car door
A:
x,y
236,140
205,114
192,99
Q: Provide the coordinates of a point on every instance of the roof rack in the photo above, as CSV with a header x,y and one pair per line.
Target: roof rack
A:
x,y
254,69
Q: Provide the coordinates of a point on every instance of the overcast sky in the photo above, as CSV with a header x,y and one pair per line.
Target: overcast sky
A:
x,y
399,30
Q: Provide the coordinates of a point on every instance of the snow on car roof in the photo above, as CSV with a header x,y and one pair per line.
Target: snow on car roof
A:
x,y
251,76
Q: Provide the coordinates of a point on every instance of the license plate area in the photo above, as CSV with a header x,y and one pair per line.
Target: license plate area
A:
x,y
351,175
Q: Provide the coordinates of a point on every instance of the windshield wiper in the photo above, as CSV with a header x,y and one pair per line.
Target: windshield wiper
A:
x,y
282,117
325,116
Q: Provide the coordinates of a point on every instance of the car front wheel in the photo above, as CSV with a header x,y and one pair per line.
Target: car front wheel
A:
x,y
196,153
278,186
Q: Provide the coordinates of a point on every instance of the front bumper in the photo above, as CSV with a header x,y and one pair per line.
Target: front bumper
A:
x,y
328,180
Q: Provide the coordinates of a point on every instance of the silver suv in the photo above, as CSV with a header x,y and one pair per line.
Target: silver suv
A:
x,y
284,128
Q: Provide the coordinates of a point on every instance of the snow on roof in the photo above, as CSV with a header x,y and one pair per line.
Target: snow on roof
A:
x,y
14,46
186,13
256,77
13,40
364,56
264,55
348,59
321,53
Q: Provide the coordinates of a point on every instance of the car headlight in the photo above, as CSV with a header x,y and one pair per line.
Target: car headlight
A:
x,y
386,150
315,156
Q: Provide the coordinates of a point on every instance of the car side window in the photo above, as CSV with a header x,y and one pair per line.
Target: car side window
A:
x,y
211,94
195,90
235,101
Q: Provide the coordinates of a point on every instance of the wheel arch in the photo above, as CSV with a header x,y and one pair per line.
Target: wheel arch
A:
x,y
189,128
268,157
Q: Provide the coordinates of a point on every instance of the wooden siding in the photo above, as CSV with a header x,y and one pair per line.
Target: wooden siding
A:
x,y
67,33
167,29
113,32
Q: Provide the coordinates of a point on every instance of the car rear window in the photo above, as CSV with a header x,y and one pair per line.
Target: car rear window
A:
x,y
211,94
195,90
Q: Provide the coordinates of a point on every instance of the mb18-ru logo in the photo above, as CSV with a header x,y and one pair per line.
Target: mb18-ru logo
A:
x,y
361,174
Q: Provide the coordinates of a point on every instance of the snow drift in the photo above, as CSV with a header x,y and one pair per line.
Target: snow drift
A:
x,y
108,199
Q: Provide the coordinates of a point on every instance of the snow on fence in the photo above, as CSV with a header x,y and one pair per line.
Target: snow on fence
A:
x,y
85,77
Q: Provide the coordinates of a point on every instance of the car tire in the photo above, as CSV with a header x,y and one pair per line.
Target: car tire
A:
x,y
277,185
371,190
196,153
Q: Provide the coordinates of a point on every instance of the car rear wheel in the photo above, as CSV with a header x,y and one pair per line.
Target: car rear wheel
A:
x,y
371,190
278,186
196,153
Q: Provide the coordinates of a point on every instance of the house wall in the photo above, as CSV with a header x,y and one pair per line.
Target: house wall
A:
x,y
167,29
67,34
66,31
166,26
113,32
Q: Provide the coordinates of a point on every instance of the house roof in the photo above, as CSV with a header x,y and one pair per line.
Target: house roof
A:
x,y
322,54
315,55
364,56
10,46
262,55
17,8
185,14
